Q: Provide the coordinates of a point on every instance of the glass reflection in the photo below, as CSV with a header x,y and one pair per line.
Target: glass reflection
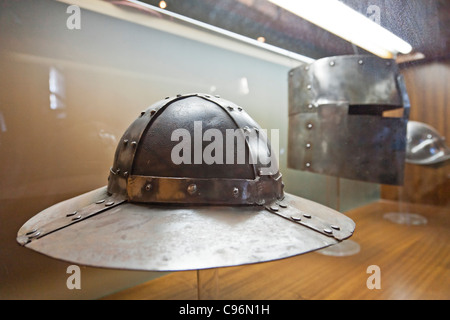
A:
x,y
57,90
2,123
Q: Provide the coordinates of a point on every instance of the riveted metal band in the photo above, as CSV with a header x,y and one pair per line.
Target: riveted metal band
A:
x,y
312,221
69,218
205,191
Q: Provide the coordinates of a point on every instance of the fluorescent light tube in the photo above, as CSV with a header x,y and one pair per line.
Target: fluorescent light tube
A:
x,y
343,21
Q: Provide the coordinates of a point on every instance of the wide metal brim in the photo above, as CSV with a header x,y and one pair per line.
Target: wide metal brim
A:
x,y
172,238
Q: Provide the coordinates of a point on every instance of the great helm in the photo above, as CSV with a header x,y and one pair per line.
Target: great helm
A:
x,y
337,124
167,207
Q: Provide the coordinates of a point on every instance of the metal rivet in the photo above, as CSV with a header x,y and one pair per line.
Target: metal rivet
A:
x,y
308,146
295,218
235,192
309,126
118,171
336,227
148,187
32,231
125,142
282,205
71,214
125,174
239,108
152,112
142,113
230,108
308,164
360,62
109,203
34,234
78,217
332,63
307,215
207,96
326,230
308,87
192,188
166,98
134,144
217,96
100,201
274,208
178,95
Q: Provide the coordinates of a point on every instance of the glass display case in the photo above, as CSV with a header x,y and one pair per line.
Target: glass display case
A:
x,y
75,74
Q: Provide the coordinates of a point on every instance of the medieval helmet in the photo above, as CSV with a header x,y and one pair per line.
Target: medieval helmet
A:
x,y
425,146
336,121
175,202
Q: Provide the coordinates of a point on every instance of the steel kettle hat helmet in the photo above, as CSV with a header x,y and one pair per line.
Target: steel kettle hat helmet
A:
x,y
425,146
148,166
166,208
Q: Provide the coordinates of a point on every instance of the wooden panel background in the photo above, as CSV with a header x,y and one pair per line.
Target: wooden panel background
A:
x,y
428,87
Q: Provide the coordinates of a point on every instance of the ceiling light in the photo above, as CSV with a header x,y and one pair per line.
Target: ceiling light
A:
x,y
162,4
213,30
341,20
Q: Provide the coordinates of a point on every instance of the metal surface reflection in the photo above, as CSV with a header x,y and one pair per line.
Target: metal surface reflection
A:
x,y
425,146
